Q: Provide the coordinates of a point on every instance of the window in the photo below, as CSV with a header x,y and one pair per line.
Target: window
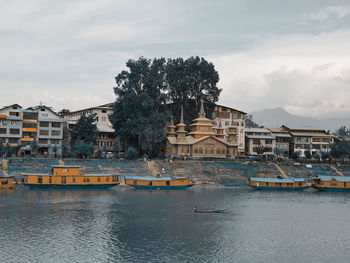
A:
x,y
42,109
256,141
150,183
107,179
56,125
73,179
55,133
217,151
43,132
14,107
3,130
268,141
43,141
43,124
11,113
13,140
63,180
50,180
40,180
104,111
44,115
98,179
14,131
115,178
200,150
167,183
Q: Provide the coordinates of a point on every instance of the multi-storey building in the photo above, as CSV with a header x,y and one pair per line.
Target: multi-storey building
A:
x,y
229,118
11,124
259,138
106,135
317,141
283,140
20,127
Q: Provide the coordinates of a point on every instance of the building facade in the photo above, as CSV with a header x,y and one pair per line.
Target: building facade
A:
x,y
106,135
201,141
230,118
258,138
20,127
316,141
283,140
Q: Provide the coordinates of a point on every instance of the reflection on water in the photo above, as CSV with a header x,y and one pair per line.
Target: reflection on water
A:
x,y
127,225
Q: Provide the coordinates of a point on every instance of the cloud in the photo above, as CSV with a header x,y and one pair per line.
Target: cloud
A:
x,y
304,74
327,12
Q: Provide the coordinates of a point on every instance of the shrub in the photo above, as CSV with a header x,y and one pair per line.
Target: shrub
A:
x,y
131,153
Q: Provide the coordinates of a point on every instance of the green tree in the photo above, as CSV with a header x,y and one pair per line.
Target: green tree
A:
x,y
342,132
340,149
249,122
307,154
65,150
131,153
83,149
2,147
137,117
85,130
188,82
34,147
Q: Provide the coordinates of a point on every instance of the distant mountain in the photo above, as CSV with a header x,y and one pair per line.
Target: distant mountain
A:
x,y
278,116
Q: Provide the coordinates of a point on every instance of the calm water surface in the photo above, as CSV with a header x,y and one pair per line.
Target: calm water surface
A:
x,y
126,225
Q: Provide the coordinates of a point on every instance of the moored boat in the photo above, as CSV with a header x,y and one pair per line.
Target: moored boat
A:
x,y
8,182
332,183
69,177
157,182
278,183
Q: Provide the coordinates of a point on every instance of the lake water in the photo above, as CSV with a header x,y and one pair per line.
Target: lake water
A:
x,y
127,225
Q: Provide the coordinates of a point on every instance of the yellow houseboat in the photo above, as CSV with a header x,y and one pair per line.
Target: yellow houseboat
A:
x,y
64,176
332,183
277,183
155,182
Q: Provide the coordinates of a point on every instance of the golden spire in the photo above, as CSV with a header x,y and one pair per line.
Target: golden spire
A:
x,y
201,112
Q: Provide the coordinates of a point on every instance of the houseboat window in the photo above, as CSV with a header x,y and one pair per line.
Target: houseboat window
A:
x,y
98,179
280,184
300,184
87,179
115,178
107,179
26,179
50,180
150,183
344,185
73,179
65,170
40,180
63,180
4,182
267,184
135,182
167,182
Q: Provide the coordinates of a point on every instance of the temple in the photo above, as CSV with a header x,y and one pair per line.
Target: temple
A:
x,y
202,140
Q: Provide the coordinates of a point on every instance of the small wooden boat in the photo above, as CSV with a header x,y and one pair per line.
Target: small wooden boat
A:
x,y
158,182
8,182
332,183
69,177
278,183
195,210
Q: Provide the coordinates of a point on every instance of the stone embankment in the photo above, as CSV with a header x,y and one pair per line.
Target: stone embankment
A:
x,y
230,173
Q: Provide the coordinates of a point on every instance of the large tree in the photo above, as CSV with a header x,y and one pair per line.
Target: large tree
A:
x,y
188,82
137,117
85,130
342,132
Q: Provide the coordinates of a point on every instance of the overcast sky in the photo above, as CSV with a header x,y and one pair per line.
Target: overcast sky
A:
x,y
289,54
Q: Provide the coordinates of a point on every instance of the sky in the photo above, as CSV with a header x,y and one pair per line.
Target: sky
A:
x,y
289,54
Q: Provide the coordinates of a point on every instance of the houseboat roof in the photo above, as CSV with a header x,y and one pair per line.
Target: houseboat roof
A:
x,y
151,178
66,166
337,178
277,180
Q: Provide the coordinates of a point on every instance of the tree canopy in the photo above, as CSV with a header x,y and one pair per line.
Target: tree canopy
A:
x,y
143,91
85,130
249,122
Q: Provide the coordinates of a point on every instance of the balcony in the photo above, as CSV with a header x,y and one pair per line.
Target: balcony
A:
x,y
29,121
26,139
3,116
29,129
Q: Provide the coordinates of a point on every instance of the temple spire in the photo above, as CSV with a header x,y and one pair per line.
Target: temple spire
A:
x,y
202,113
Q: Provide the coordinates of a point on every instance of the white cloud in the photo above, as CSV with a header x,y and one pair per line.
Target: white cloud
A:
x,y
305,74
328,12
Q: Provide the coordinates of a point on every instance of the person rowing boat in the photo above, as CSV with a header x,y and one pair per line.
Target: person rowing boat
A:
x,y
195,210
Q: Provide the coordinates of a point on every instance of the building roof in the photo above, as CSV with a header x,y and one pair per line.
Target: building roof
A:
x,y
257,130
310,134
277,180
284,135
305,128
190,140
260,137
230,108
104,128
5,107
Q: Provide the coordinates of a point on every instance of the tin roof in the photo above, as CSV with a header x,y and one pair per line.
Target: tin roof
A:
x,y
337,178
260,137
310,134
257,130
153,178
277,180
